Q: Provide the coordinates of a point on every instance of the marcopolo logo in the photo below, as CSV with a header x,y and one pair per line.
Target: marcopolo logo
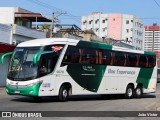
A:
x,y
88,68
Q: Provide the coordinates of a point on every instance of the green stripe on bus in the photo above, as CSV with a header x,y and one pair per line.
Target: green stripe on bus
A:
x,y
149,53
94,45
144,76
88,77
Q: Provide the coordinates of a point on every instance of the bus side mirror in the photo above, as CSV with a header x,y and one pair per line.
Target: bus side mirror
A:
x,y
4,55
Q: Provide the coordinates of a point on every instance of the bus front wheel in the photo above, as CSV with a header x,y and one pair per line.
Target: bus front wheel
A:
x,y
63,94
129,92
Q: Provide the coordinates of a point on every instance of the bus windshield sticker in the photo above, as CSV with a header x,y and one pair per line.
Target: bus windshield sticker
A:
x,y
56,48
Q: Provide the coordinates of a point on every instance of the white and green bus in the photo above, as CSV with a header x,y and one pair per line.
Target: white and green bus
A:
x,y
63,67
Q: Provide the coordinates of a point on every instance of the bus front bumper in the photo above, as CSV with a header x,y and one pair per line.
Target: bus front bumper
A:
x,y
26,91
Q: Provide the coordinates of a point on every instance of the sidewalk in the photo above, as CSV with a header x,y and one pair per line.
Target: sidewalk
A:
x,y
2,89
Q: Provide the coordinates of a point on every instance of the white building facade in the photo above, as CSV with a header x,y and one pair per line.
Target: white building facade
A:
x,y
127,28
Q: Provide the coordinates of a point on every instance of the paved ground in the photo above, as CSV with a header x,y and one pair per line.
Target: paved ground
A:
x,y
149,102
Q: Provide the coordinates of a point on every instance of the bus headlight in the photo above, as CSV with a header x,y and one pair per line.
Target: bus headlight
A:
x,y
34,83
9,84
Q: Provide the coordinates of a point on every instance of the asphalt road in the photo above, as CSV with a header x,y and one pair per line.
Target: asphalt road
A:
x,y
149,102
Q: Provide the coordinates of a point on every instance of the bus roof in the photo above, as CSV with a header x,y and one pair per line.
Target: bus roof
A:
x,y
49,41
46,41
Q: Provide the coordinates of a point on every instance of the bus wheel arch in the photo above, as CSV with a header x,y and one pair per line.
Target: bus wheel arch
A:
x,y
64,91
138,90
129,91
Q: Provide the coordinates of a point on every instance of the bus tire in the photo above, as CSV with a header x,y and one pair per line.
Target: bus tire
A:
x,y
138,92
37,99
129,92
63,94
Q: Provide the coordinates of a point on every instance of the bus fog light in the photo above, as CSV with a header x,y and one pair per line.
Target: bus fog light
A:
x,y
6,90
31,92
29,85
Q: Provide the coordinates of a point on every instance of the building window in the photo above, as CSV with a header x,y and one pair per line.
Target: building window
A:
x,y
127,39
97,29
104,29
84,22
96,21
114,19
127,30
127,21
132,21
90,22
103,21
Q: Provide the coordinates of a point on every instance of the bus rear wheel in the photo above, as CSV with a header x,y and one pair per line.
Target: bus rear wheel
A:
x,y
63,94
138,92
129,92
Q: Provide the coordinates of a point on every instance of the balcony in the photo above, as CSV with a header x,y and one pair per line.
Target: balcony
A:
x,y
27,32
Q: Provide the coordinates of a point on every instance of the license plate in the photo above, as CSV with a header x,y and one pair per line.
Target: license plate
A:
x,y
17,92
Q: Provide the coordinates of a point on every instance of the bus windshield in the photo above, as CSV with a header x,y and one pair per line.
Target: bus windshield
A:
x,y
21,66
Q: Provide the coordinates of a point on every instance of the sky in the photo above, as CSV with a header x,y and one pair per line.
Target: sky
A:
x,y
147,10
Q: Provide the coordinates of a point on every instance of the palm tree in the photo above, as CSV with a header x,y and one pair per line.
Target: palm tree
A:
x,y
45,27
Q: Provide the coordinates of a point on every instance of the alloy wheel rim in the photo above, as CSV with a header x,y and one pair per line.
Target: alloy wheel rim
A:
x,y
129,92
64,93
138,91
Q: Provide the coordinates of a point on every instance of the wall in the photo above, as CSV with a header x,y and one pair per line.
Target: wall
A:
x,y
7,15
127,34
5,33
115,26
3,71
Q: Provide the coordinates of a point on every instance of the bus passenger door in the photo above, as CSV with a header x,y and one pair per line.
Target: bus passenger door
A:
x,y
46,67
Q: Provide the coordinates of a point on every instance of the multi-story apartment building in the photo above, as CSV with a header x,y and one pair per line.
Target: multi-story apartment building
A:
x,y
16,27
152,40
127,28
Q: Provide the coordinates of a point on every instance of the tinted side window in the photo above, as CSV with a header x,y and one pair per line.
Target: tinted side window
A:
x,y
89,56
119,58
132,60
72,55
151,61
142,61
106,58
47,64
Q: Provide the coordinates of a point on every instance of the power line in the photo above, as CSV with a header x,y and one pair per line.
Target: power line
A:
x,y
43,4
157,3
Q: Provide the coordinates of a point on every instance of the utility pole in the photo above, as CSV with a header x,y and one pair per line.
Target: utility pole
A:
x,y
53,20
52,25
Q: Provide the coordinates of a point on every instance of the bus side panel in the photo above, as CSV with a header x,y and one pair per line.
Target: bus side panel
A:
x,y
117,78
48,85
152,82
88,77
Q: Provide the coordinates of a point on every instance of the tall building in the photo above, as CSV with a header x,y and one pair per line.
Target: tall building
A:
x,y
152,40
127,28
